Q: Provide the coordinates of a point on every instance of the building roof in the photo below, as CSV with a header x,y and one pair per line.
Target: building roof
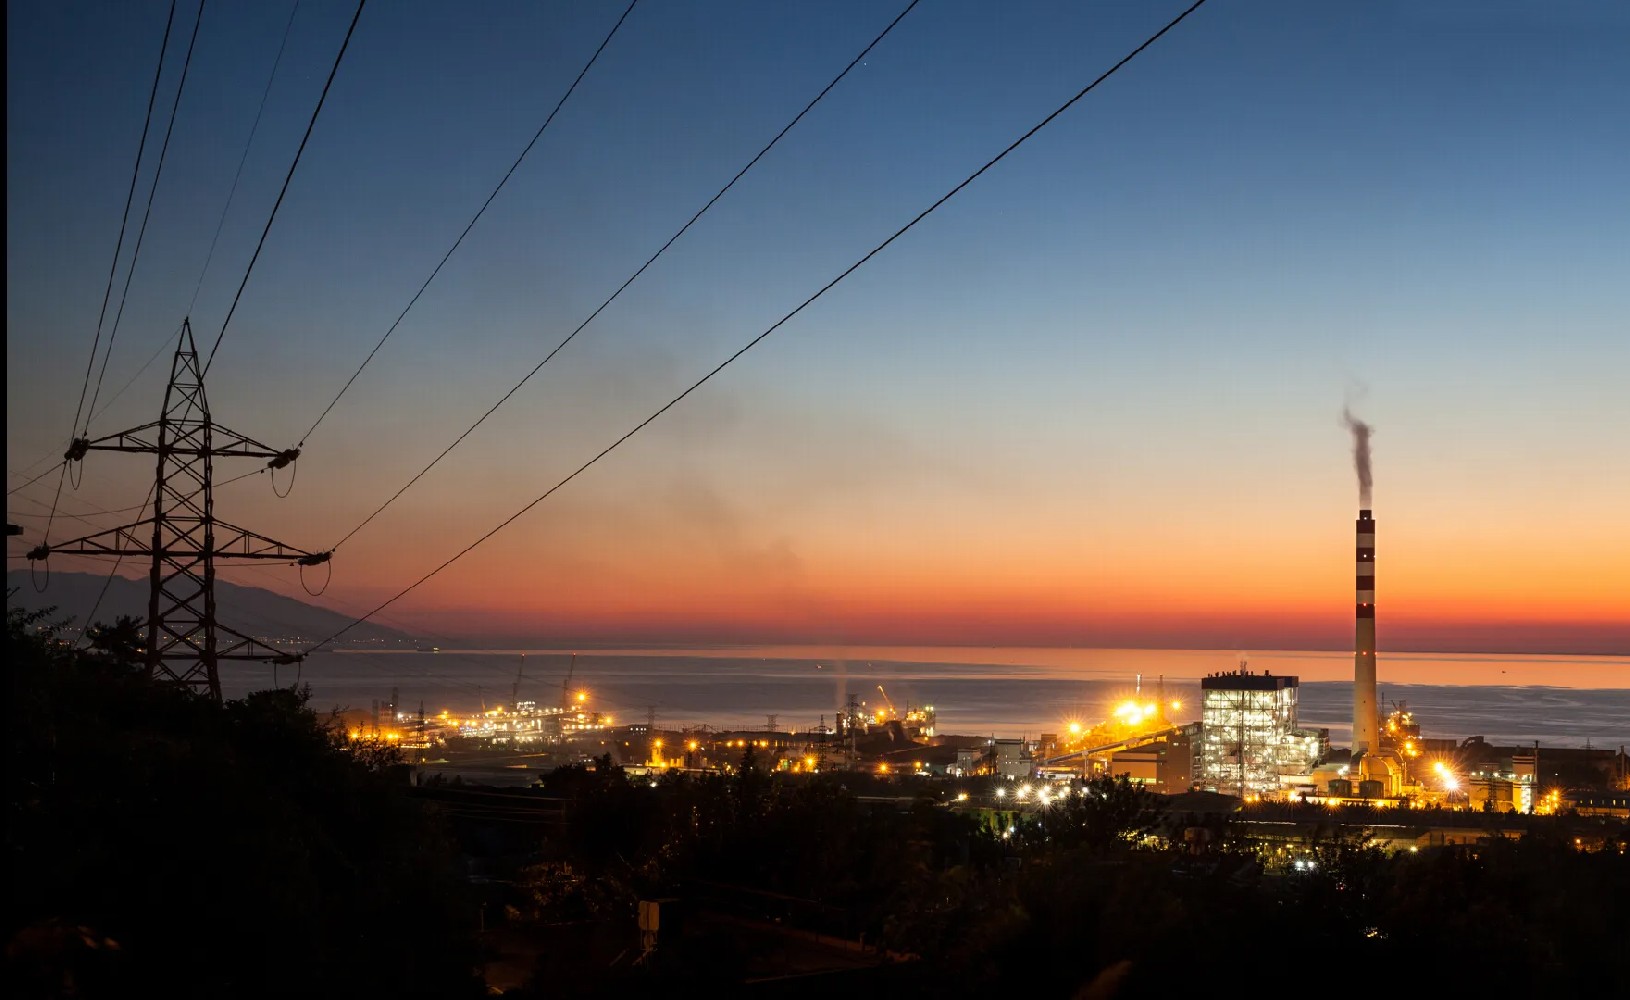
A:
x,y
1202,802
1244,680
925,754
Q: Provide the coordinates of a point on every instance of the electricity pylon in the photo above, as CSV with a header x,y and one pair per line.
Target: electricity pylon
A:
x,y
183,539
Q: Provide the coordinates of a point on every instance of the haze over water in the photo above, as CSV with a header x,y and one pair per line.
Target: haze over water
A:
x,y
1506,698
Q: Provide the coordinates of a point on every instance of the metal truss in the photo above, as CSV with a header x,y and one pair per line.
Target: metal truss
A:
x,y
183,539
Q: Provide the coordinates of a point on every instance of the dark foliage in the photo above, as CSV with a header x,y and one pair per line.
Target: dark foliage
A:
x,y
1098,895
161,844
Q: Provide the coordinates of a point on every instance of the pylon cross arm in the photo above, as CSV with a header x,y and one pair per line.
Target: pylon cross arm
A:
x,y
231,444
224,443
120,541
247,648
233,542
134,439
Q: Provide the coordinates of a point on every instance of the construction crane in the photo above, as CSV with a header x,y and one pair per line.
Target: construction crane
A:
x,y
515,691
892,710
566,685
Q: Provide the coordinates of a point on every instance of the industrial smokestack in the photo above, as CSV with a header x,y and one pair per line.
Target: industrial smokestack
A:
x,y
1365,722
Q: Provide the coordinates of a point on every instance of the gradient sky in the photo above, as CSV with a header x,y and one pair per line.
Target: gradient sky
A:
x,y
1095,400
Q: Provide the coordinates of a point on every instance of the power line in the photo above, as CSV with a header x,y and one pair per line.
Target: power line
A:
x,y
124,220
141,234
93,511
473,220
30,467
1015,144
82,517
37,478
635,276
90,616
162,347
261,243
236,177
118,248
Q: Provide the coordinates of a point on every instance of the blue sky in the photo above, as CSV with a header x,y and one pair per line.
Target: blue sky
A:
x,y
1148,317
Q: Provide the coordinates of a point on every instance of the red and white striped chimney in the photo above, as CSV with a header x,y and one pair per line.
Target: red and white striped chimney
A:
x,y
1366,724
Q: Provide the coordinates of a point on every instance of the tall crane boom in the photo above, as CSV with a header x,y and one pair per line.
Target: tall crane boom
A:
x,y
886,701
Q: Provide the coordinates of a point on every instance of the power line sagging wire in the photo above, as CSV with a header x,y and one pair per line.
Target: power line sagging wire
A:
x,y
920,216
36,479
631,278
284,190
124,220
163,346
147,214
243,159
118,249
473,220
91,510
90,616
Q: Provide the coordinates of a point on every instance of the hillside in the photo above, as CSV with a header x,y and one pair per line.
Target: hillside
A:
x,y
250,610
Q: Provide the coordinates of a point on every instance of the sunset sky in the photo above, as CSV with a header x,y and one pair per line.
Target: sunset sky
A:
x,y
1095,400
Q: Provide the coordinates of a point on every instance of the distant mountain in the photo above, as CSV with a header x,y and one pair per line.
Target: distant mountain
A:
x,y
250,610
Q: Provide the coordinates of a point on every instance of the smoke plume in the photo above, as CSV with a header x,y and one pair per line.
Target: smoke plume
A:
x,y
1361,454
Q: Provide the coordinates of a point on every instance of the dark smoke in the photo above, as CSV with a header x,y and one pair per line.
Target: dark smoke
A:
x,y
1361,454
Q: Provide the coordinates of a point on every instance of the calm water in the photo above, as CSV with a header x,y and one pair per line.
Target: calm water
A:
x,y
1558,700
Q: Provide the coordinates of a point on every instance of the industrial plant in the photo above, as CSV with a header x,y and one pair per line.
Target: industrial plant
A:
x,y
1248,743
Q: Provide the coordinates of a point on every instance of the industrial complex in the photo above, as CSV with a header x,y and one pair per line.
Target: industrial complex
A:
x,y
1247,744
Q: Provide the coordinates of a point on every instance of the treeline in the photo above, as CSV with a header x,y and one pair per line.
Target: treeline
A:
x,y
1103,894
160,844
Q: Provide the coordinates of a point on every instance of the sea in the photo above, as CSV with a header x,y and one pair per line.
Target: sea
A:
x,y
1559,701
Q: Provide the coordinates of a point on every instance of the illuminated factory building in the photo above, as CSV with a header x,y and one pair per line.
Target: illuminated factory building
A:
x,y
1249,735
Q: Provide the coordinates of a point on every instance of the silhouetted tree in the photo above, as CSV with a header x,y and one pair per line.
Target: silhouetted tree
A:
x,y
198,849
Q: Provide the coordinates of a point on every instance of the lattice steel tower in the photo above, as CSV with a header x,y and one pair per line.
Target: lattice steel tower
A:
x,y
183,539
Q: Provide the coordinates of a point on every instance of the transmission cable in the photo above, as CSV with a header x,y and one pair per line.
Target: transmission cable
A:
x,y
130,198
141,233
261,243
90,616
118,248
1015,144
37,478
91,509
635,276
82,517
473,220
248,143
162,347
